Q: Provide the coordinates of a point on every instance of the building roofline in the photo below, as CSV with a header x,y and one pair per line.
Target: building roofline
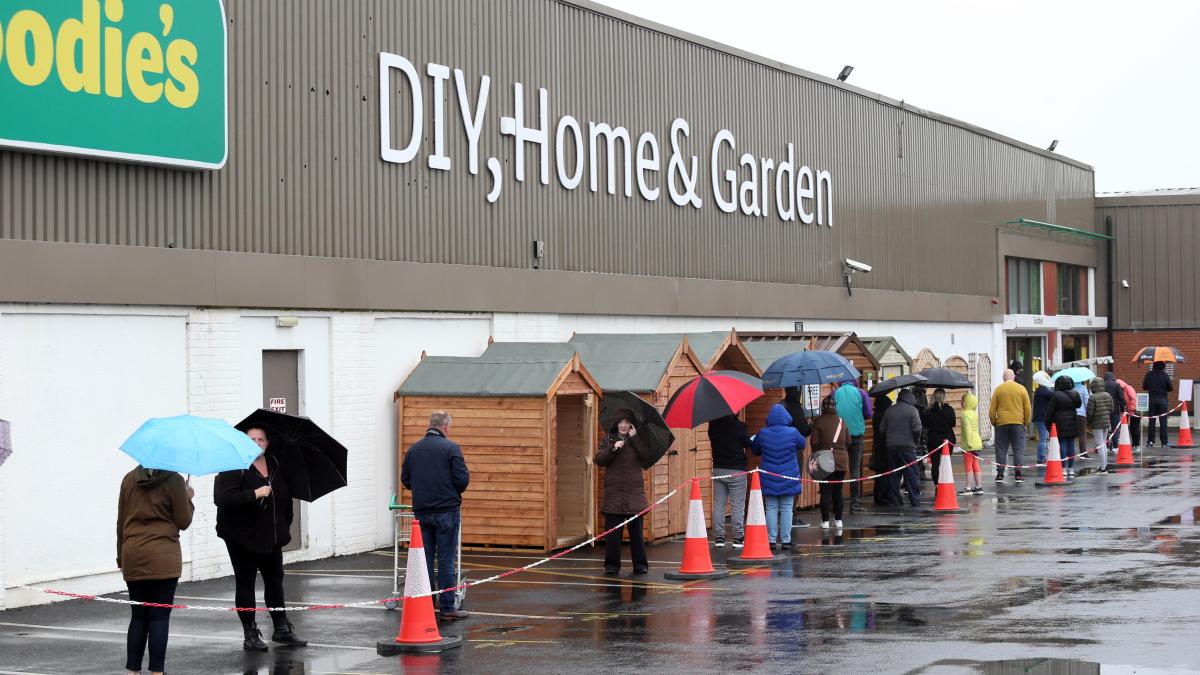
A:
x,y
647,24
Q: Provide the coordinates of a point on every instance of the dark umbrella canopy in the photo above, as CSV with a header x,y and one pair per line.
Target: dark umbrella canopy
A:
x,y
649,423
313,462
712,395
809,367
944,378
897,382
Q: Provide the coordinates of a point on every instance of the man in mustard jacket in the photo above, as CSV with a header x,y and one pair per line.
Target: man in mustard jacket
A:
x,y
1010,413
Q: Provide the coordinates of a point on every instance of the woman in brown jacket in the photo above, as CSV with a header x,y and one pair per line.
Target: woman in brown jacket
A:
x,y
829,433
151,510
622,454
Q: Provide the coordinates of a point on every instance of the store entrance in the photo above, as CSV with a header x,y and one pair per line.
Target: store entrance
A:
x,y
1028,351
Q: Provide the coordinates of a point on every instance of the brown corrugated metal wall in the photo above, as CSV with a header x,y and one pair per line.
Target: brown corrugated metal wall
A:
x,y
305,178
1155,249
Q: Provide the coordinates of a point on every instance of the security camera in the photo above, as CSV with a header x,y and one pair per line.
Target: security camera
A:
x,y
1124,283
857,266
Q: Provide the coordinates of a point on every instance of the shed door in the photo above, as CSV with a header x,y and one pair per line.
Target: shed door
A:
x,y
281,392
575,504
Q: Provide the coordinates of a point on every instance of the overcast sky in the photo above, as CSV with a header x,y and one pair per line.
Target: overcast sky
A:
x,y
1117,83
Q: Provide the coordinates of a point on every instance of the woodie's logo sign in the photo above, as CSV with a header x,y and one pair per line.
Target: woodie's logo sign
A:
x,y
135,80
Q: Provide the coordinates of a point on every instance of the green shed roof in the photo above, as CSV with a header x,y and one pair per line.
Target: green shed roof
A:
x,y
879,347
496,374
765,352
620,362
706,344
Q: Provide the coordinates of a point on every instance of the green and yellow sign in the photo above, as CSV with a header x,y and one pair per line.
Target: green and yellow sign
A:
x,y
135,80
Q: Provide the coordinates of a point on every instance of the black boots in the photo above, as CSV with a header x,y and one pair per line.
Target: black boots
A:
x,y
254,641
285,635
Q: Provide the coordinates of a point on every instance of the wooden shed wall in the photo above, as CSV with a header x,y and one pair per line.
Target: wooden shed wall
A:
x,y
504,441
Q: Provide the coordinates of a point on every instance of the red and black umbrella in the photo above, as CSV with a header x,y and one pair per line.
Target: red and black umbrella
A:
x,y
712,395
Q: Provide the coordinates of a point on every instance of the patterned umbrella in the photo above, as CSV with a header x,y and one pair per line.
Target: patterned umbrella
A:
x,y
1149,354
712,395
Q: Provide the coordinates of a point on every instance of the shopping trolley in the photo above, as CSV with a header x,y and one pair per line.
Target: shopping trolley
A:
x,y
402,522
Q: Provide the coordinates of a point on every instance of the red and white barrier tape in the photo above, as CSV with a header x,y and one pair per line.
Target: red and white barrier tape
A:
x,y
1080,453
806,479
1150,417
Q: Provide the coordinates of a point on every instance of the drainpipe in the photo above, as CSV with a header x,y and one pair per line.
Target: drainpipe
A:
x,y
1112,281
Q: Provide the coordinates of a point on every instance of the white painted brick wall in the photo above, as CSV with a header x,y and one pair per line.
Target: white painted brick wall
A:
x,y
2,586
214,390
354,407
507,327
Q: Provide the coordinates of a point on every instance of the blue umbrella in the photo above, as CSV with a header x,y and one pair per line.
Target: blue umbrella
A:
x,y
187,444
808,367
1077,374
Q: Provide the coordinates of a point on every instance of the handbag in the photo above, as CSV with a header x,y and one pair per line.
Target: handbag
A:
x,y
821,464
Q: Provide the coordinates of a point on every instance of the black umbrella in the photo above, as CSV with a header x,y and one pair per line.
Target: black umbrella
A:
x,y
313,462
649,423
944,378
897,382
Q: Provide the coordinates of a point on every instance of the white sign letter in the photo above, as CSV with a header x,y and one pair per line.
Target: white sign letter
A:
x,y
573,180
439,160
645,164
787,209
611,136
472,124
726,205
804,194
515,126
386,63
824,198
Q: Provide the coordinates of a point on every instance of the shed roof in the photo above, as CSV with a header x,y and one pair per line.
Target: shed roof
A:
x,y
514,370
766,347
635,362
879,347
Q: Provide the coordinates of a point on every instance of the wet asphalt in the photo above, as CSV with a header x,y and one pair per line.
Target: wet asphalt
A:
x,y
1099,576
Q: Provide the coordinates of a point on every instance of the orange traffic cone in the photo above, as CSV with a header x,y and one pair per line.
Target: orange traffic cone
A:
x,y
697,564
1124,444
1054,470
945,501
758,547
1185,429
418,627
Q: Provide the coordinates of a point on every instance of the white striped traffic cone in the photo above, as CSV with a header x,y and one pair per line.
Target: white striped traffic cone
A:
x,y
418,627
1054,463
1124,444
697,564
758,545
945,500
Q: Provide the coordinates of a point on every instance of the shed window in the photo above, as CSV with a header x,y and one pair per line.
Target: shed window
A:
x,y
1072,290
1024,286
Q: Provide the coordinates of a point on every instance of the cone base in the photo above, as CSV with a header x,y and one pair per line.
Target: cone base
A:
x,y
1042,483
699,576
392,648
755,562
1123,465
1184,447
936,511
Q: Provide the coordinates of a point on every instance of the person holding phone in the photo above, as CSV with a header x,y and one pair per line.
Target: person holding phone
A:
x,y
622,454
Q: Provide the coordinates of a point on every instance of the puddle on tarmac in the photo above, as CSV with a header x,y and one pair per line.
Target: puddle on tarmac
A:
x,y
1185,518
842,615
1037,667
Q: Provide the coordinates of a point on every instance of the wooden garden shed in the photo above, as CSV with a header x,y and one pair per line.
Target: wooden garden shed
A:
x,y
767,347
723,350
893,360
654,366
526,416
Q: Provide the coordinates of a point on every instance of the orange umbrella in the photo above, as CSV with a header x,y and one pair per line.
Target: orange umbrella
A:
x,y
1148,354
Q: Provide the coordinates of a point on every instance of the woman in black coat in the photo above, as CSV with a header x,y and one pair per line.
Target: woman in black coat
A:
x,y
939,424
887,488
1061,413
254,517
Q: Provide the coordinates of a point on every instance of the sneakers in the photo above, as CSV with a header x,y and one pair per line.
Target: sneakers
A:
x,y
720,542
1070,473
837,524
1103,469
738,543
999,478
824,524
966,491
787,546
1017,478
978,490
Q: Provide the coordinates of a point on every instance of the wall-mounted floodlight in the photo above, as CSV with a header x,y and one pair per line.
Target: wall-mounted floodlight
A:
x,y
845,73
1053,145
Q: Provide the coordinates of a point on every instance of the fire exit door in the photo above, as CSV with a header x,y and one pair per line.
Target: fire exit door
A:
x,y
281,393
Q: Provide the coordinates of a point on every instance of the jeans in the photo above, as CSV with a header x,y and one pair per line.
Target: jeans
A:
x,y
246,567
856,454
779,518
1010,436
1100,441
1158,406
440,532
733,492
149,623
1043,441
911,475
831,496
612,543
1068,450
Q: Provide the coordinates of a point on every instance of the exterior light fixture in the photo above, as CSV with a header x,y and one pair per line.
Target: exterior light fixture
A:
x,y
287,321
1053,145
845,73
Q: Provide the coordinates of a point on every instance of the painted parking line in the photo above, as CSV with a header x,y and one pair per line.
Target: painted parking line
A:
x,y
374,607
506,556
20,672
618,583
123,633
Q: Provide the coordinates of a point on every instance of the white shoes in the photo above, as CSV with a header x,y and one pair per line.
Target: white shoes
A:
x,y
837,524
824,524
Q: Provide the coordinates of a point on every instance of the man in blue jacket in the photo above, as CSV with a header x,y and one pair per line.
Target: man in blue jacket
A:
x,y
854,408
436,473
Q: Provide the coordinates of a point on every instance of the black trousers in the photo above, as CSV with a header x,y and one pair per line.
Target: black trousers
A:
x,y
246,568
831,496
149,624
612,543
1158,407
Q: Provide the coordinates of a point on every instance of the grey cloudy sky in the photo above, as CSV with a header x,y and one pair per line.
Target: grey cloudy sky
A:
x,y
1115,82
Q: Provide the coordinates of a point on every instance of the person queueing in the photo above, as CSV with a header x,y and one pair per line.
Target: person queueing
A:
x,y
436,473
779,445
887,488
254,517
1118,400
971,445
1158,384
1061,414
1041,402
855,409
1135,422
939,423
1100,407
793,401
901,425
1010,413
729,440
152,508
829,432
622,454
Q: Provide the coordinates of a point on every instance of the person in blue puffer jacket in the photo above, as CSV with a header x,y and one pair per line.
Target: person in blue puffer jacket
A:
x,y
779,444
